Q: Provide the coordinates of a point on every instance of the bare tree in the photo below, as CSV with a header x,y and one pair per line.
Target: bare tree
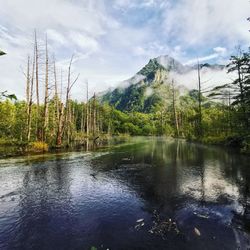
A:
x,y
65,121
37,87
56,92
46,94
174,109
200,131
30,99
28,82
60,125
87,109
94,114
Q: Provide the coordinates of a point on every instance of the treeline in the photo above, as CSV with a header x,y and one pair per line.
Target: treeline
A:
x,y
50,115
78,121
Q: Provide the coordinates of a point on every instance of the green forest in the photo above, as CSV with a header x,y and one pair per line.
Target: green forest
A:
x,y
54,119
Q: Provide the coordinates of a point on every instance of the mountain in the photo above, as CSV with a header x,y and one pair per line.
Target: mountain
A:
x,y
150,88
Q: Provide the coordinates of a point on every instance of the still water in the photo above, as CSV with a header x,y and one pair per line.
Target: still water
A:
x,y
121,196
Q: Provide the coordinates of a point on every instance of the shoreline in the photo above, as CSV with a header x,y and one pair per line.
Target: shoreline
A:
x,y
12,149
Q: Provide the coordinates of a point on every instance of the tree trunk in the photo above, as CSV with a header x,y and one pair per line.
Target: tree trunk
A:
x,y
56,93
200,131
87,110
60,126
28,83
46,95
94,115
30,100
38,133
174,110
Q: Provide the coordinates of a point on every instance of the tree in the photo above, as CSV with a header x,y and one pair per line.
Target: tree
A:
x,y
31,82
46,94
2,53
200,132
240,64
174,108
4,93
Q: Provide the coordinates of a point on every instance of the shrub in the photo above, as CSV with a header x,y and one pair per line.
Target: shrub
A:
x,y
38,146
246,145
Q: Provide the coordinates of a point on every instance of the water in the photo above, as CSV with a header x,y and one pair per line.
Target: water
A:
x,y
84,199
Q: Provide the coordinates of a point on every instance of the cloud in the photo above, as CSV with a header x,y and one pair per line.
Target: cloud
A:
x,y
56,37
72,27
113,39
220,50
209,78
202,59
84,42
133,4
204,23
220,53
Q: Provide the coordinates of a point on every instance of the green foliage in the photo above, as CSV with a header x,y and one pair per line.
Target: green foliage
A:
x,y
38,146
246,145
4,94
148,95
7,119
150,69
2,53
144,109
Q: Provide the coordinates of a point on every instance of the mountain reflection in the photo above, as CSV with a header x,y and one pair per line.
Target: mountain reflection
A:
x,y
78,200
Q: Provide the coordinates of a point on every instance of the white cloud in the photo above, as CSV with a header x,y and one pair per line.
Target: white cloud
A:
x,y
195,22
128,4
220,54
86,43
202,59
56,37
71,27
209,78
111,46
220,50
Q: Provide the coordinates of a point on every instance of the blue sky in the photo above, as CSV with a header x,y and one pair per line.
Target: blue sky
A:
x,y
113,39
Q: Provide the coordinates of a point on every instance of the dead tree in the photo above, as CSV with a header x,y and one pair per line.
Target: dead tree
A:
x,y
60,125
30,100
56,92
65,121
199,103
37,88
61,117
87,110
94,115
46,93
174,109
28,83
82,118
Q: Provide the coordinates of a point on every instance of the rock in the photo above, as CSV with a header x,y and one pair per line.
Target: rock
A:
x,y
140,220
197,232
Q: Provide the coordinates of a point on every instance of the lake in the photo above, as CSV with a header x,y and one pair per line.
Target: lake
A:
x,y
145,193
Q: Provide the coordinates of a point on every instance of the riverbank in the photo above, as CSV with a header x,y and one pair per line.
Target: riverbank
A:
x,y
13,148
237,141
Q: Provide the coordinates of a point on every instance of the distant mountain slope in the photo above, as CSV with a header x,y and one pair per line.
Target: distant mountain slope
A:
x,y
150,88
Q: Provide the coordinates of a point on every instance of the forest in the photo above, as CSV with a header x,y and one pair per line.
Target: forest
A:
x,y
50,117
125,124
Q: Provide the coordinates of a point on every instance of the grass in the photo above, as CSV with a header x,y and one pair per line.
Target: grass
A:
x,y
38,146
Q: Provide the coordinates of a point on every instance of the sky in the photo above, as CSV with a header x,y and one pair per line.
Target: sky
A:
x,y
113,39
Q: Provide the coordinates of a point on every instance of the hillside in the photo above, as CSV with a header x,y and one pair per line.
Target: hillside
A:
x,y
150,88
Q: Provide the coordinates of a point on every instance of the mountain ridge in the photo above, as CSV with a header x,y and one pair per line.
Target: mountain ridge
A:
x,y
150,88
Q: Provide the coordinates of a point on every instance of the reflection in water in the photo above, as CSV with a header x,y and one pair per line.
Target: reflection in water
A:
x,y
76,201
